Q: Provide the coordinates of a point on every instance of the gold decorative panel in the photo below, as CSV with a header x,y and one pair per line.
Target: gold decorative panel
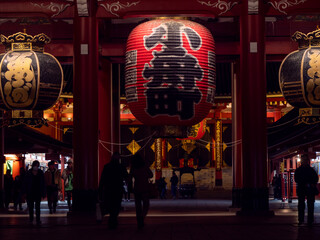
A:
x,y
133,147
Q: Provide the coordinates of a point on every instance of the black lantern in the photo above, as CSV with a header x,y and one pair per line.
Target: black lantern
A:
x,y
299,76
31,80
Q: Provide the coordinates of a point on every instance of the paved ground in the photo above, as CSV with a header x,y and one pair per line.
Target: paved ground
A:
x,y
168,219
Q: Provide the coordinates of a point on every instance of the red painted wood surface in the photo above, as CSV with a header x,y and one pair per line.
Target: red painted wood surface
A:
x,y
146,8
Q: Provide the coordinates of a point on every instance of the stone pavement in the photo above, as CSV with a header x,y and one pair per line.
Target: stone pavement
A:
x,y
190,219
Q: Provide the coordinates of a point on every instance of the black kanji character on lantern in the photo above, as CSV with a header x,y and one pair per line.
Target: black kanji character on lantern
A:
x,y
173,72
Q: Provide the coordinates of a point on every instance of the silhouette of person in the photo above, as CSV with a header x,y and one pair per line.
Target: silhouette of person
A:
x,y
174,182
163,188
53,183
35,190
8,188
67,176
306,178
18,189
141,174
111,188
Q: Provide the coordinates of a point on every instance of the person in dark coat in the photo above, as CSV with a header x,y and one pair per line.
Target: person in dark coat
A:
x,y
141,174
111,188
174,182
8,188
306,178
18,189
52,179
67,176
35,190
163,188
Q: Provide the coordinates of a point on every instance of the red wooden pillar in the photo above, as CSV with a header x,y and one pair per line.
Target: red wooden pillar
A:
x,y
105,109
62,162
85,90
288,165
115,112
236,136
164,153
253,84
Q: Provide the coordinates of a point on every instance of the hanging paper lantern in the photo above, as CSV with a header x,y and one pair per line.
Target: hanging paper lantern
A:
x,y
31,80
196,132
170,72
299,73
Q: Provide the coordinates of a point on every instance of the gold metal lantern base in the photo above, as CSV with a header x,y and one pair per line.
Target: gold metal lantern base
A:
x,y
309,115
170,131
32,118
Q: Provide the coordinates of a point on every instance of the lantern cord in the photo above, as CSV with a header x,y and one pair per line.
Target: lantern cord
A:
x,y
229,143
123,144
61,129
150,137
220,145
105,147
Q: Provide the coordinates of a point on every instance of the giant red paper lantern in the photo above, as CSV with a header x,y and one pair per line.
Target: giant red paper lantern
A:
x,y
170,72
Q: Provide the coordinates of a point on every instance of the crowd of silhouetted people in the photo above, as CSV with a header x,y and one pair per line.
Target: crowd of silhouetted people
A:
x,y
33,185
116,184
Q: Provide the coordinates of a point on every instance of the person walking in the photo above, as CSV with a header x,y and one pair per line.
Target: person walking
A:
x,y
67,176
163,188
18,189
111,188
141,175
53,183
306,178
35,190
8,188
174,182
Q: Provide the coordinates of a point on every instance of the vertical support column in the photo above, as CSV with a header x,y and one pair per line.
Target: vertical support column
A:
x,y
236,136
62,162
288,165
253,83
85,90
116,108
58,132
164,153
105,113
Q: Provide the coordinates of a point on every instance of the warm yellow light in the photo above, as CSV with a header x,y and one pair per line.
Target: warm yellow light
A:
x,y
11,157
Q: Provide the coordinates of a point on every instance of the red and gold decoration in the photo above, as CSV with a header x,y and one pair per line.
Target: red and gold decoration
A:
x,y
218,151
299,75
31,80
170,72
197,131
158,157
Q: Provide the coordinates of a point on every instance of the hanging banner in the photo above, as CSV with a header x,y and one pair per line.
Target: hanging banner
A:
x,y
218,144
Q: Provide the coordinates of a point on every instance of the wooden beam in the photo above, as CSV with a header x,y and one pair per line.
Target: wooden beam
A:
x,y
36,8
274,48
147,8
